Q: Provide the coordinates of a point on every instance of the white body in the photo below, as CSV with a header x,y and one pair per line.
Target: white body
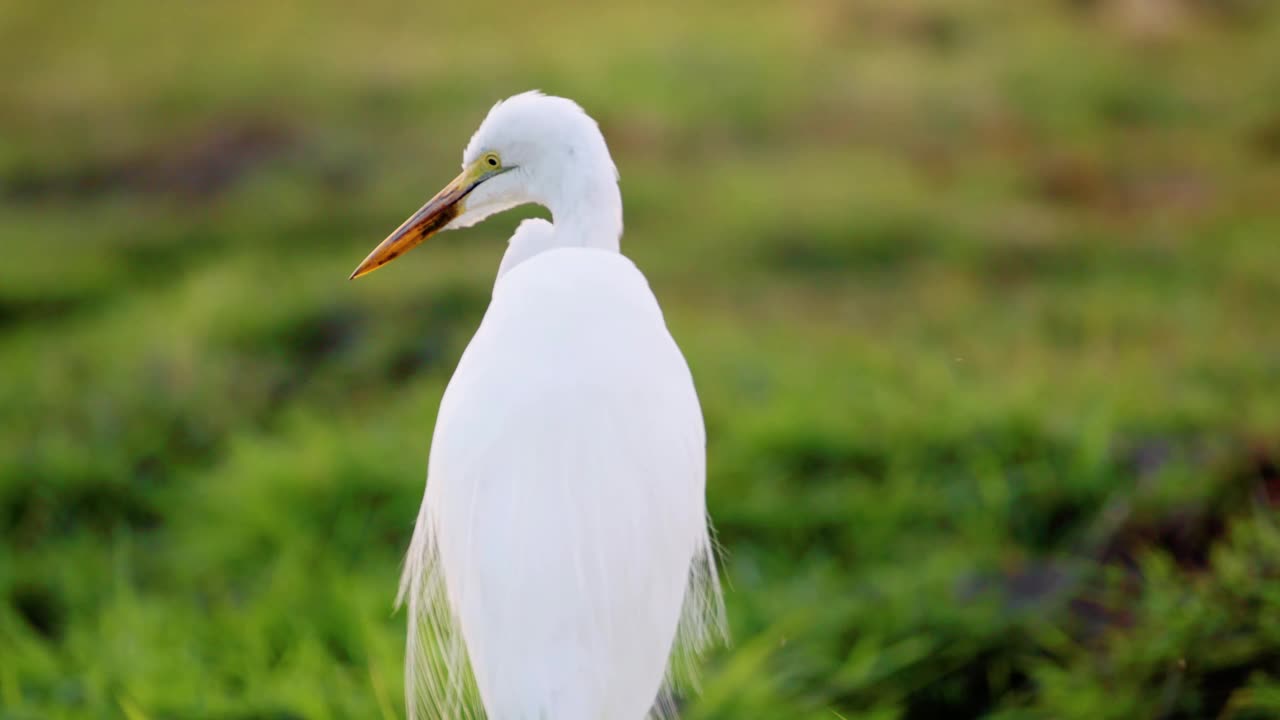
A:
x,y
561,567
566,489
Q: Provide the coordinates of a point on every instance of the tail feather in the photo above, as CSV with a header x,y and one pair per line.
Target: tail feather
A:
x,y
439,682
702,626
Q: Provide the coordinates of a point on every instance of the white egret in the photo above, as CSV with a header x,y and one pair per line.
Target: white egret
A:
x,y
561,566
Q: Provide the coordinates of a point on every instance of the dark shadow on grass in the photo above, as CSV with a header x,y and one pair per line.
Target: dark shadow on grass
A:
x,y
198,167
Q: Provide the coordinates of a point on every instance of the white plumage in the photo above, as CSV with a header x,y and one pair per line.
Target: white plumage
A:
x,y
561,558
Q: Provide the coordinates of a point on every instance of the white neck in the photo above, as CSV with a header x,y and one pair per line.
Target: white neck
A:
x,y
587,210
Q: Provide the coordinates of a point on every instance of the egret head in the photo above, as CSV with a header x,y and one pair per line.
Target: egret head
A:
x,y
531,148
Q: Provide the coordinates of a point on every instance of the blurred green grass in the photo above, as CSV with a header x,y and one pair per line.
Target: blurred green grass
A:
x,y
981,298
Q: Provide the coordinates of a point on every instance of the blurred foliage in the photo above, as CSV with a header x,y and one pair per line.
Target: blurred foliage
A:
x,y
981,298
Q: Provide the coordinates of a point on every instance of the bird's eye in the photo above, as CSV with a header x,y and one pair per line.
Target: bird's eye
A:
x,y
491,160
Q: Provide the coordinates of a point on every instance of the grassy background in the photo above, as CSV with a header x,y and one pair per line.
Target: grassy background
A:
x,y
982,299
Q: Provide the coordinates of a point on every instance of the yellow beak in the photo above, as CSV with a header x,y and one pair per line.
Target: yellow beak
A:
x,y
429,220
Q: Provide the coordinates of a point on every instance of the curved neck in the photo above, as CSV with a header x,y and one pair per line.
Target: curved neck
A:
x,y
587,211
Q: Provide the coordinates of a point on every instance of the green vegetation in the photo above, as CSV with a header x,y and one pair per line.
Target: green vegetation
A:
x,y
982,299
